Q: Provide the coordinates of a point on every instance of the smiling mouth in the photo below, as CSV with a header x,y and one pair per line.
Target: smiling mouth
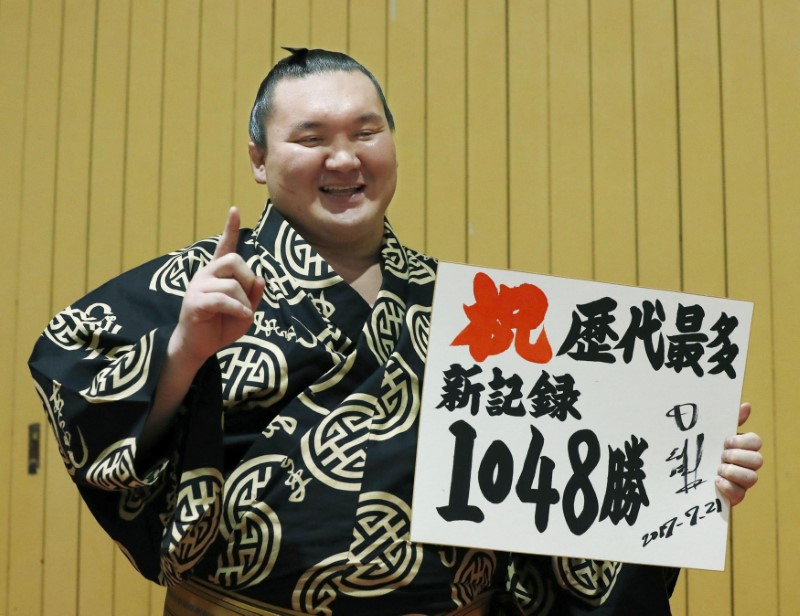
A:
x,y
343,190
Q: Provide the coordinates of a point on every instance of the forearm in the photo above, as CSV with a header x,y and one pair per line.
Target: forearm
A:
x,y
177,375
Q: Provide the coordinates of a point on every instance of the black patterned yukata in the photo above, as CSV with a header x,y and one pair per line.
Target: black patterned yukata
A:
x,y
287,477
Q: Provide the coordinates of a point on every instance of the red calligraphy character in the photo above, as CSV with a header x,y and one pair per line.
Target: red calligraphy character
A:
x,y
500,317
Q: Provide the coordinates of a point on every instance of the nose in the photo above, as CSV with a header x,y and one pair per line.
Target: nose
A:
x,y
343,157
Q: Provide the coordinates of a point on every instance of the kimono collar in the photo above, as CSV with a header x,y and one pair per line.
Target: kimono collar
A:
x,y
284,243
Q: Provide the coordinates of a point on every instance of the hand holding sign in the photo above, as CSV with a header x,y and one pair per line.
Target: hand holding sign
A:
x,y
740,461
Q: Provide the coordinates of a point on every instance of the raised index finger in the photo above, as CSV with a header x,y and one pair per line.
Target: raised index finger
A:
x,y
230,234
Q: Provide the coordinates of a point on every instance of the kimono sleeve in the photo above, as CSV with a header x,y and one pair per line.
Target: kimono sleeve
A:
x,y
96,368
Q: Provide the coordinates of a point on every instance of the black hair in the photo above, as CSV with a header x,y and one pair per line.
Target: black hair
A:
x,y
301,63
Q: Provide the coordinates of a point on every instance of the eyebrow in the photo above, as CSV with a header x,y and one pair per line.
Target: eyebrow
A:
x,y
364,118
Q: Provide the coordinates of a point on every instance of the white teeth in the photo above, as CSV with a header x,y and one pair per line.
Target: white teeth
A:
x,y
341,189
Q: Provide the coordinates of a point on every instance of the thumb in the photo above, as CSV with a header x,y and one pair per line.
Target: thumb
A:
x,y
744,413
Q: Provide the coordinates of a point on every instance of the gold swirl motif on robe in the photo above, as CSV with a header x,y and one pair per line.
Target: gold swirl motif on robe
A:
x,y
250,526
418,322
385,324
73,329
113,469
381,558
398,401
534,593
334,449
420,272
474,575
394,257
54,405
125,375
253,373
302,261
174,275
194,523
590,580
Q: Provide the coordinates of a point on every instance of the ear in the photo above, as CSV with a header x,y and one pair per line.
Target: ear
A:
x,y
258,158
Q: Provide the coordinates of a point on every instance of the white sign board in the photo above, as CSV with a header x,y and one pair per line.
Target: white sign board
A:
x,y
577,418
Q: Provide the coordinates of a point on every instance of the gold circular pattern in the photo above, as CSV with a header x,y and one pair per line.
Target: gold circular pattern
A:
x,y
174,275
253,373
533,593
418,322
385,324
194,522
303,262
124,376
590,580
473,576
251,527
398,404
334,449
381,558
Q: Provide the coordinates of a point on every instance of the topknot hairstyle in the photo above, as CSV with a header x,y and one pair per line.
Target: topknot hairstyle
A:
x,y
303,62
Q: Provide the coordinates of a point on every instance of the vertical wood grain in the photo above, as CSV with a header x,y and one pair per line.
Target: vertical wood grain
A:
x,y
613,169
528,136
14,33
570,140
253,61
487,135
445,131
33,290
178,188
781,25
651,143
405,89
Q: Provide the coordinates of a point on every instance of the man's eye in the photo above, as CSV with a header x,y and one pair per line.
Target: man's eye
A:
x,y
310,140
366,134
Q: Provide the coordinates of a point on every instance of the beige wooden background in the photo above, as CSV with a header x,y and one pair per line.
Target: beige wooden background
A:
x,y
648,142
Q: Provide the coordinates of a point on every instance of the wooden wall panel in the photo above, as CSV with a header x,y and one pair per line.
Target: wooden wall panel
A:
x,y
176,223
104,248
445,131
487,135
73,143
109,109
613,171
292,25
658,263
14,32
747,212
367,35
702,202
404,86
570,140
141,203
142,187
215,116
657,171
781,24
33,295
651,143
143,153
528,137
329,24
253,61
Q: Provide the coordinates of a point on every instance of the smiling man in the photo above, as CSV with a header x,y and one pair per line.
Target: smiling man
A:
x,y
331,168
242,420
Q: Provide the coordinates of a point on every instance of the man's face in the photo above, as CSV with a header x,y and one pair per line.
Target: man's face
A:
x,y
330,164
